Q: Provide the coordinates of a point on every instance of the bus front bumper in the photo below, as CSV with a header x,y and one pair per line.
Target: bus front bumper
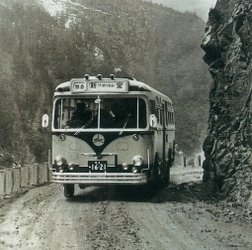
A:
x,y
100,178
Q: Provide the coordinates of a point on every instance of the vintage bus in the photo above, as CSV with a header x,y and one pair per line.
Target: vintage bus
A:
x,y
110,131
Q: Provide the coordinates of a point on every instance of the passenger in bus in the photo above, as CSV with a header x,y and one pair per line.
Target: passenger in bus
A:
x,y
80,116
125,116
118,114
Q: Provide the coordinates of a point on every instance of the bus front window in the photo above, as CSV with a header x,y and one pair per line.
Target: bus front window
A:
x,y
104,113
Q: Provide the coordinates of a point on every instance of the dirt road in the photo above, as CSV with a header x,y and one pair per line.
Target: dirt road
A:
x,y
178,217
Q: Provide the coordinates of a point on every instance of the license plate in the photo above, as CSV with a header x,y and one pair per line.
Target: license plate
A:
x,y
97,166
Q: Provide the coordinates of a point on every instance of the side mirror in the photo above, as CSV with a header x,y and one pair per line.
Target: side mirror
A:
x,y
45,121
153,121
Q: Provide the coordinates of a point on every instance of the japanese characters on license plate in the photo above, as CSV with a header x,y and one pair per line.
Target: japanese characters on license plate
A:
x,y
97,166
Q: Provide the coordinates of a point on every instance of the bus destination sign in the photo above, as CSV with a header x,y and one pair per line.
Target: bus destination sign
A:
x,y
99,86
78,86
109,86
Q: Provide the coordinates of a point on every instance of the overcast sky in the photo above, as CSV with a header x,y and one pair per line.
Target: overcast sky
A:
x,y
200,7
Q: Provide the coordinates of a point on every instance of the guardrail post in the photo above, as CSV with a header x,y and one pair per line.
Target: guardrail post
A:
x,y
8,182
25,176
2,182
16,179
200,161
33,175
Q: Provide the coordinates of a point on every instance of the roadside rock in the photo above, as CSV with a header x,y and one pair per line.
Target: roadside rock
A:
x,y
228,49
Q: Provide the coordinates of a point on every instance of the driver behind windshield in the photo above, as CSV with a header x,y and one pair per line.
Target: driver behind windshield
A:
x,y
80,116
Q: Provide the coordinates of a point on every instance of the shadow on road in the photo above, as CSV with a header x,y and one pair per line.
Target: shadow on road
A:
x,y
185,192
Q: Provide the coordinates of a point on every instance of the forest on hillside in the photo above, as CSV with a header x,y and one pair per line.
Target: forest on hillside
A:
x,y
150,42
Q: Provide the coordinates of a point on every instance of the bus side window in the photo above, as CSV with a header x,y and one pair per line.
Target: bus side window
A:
x,y
166,114
152,107
157,115
161,116
172,119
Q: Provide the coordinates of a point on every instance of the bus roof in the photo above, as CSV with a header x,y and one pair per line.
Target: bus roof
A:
x,y
92,84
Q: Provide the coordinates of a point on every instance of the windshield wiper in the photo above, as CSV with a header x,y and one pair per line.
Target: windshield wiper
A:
x,y
125,124
77,132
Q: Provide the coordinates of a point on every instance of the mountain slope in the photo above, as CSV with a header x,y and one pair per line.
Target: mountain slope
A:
x,y
131,38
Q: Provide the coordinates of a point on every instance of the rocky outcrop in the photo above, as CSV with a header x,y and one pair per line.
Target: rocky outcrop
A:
x,y
228,52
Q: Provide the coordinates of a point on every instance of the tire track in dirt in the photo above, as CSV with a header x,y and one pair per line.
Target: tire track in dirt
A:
x,y
182,216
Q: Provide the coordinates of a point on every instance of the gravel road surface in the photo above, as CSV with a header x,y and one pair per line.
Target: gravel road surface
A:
x,y
180,217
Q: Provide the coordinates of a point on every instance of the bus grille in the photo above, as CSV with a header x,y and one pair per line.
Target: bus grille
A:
x,y
99,178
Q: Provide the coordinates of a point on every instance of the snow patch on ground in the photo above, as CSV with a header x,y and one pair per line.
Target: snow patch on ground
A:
x,y
55,7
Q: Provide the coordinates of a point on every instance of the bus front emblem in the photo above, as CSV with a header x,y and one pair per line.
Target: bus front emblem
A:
x,y
98,140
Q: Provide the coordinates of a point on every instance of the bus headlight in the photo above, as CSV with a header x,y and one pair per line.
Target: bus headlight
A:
x,y
71,166
134,170
125,166
60,169
59,161
137,161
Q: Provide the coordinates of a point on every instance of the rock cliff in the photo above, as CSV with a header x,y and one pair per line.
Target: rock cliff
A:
x,y
228,52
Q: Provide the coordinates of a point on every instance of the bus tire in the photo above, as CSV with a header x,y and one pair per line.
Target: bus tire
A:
x,y
156,176
69,190
166,179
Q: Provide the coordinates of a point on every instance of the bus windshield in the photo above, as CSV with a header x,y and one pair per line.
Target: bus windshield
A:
x,y
100,113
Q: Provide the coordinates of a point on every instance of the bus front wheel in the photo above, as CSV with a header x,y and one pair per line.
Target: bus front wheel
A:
x,y
69,190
